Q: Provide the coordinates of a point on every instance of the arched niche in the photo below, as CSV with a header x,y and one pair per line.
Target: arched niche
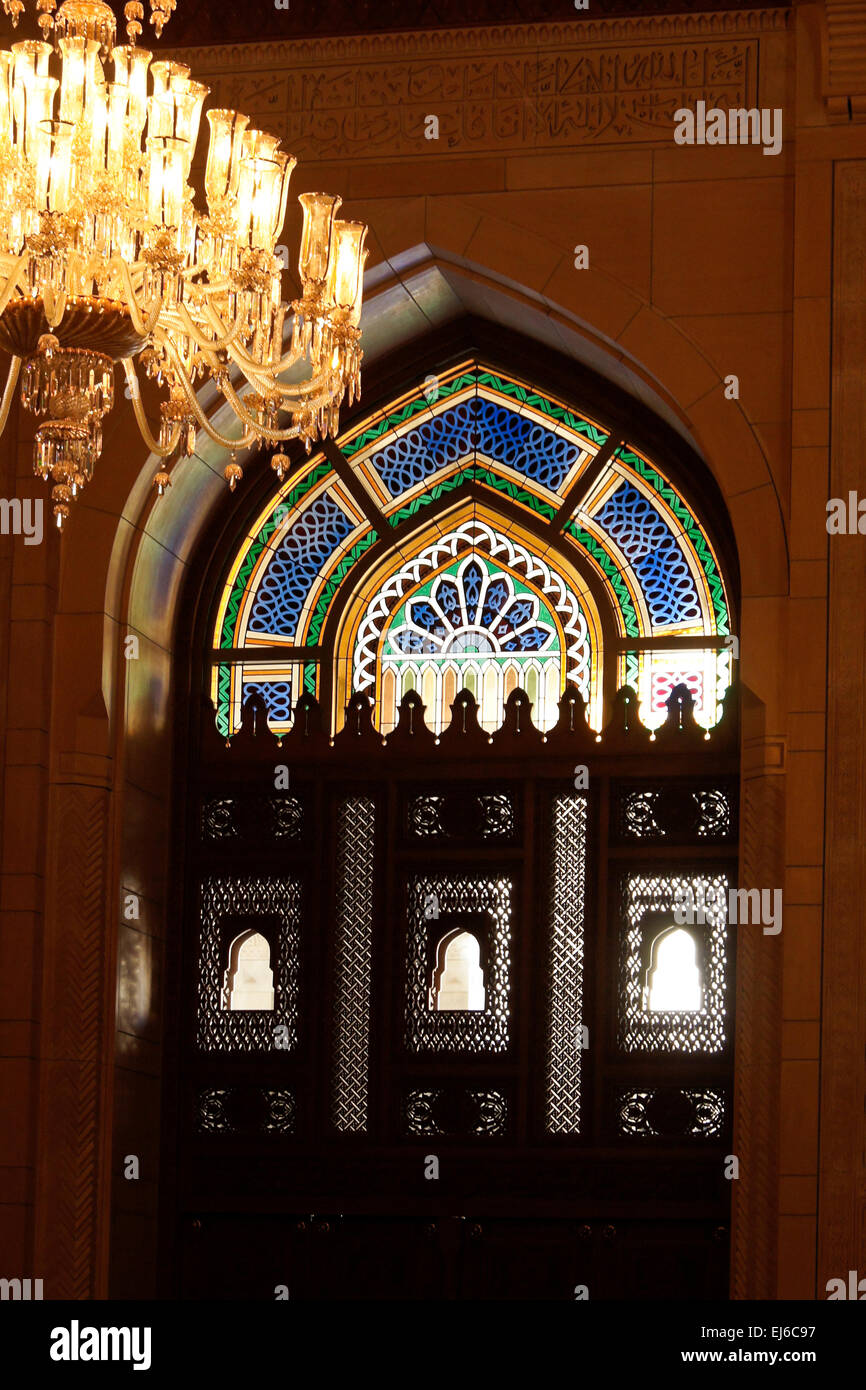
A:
x,y
249,979
458,977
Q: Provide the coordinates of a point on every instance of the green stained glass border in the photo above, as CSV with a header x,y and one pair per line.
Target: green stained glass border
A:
x,y
223,700
224,689
473,473
691,527
613,575
476,377
349,560
407,411
233,607
544,406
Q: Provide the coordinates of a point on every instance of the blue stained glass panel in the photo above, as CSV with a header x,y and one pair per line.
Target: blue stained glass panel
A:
x,y
277,696
304,550
473,577
501,434
654,554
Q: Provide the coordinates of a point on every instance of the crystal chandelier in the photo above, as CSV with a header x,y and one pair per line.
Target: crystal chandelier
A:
x,y
104,258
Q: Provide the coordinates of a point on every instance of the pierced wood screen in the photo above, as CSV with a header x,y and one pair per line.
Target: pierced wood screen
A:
x,y
438,902
359,877
356,823
565,983
648,907
229,906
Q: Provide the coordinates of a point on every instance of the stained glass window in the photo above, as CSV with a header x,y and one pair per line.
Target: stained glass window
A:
x,y
513,605
491,620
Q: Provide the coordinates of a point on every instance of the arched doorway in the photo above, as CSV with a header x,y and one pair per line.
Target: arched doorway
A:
x,y
435,620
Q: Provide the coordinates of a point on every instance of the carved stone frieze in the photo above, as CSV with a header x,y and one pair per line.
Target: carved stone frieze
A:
x,y
542,86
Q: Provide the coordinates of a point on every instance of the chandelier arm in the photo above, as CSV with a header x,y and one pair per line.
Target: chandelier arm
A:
x,y
143,326
11,284
241,411
9,393
208,344
135,394
256,373
251,437
299,393
261,379
307,393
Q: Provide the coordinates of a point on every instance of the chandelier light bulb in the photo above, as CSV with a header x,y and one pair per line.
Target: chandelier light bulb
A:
x,y
104,258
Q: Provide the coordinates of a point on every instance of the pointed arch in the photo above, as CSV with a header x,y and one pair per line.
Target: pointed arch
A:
x,y
559,501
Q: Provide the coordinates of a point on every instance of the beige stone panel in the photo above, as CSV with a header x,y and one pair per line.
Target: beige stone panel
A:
x,y
134,1259
27,748
813,197
673,163
801,1039
512,251
23,813
809,30
424,176
811,384
671,356
395,225
754,348
29,650
776,77
803,884
20,938
798,1195
138,1054
18,1077
19,1037
810,429
31,603
801,966
774,441
16,1239
796,1257
79,716
450,223
805,827
16,1184
721,247
613,223
808,578
760,540
594,297
806,668
578,169
807,729
762,632
729,444
22,892
842,142
143,852
139,980
148,731
798,1149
